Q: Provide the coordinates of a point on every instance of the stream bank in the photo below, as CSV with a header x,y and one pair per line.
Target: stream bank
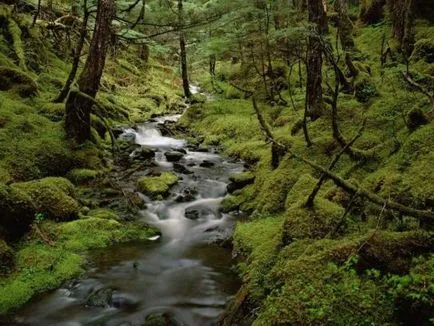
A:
x,y
182,277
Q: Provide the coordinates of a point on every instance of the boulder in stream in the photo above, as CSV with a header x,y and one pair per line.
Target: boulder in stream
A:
x,y
161,319
173,156
179,168
143,153
100,298
199,212
207,164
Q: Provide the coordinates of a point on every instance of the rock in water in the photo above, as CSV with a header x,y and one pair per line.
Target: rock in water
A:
x,y
198,211
161,319
206,164
100,298
174,156
179,168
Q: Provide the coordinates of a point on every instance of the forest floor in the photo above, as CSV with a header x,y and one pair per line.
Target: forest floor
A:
x,y
344,261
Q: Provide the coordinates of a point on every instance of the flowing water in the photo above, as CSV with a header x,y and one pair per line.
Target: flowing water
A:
x,y
182,273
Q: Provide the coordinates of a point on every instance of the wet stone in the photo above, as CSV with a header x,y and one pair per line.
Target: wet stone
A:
x,y
161,319
173,156
207,164
100,298
179,168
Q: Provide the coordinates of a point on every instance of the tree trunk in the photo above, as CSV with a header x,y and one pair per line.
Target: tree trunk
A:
x,y
318,18
80,44
184,62
78,108
345,25
402,13
38,11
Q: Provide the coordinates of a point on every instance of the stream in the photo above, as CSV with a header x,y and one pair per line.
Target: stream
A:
x,y
182,274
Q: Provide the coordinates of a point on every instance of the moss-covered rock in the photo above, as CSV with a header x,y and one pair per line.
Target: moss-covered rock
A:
x,y
54,197
17,212
157,186
53,111
40,268
104,213
17,79
423,50
6,258
311,223
95,232
241,180
82,176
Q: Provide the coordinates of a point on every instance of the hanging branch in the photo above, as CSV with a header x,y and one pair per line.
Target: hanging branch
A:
x,y
421,215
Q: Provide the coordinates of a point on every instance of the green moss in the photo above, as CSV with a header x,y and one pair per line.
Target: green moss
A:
x,y
38,268
257,242
157,186
17,43
242,177
82,176
94,232
41,267
11,78
6,258
301,190
53,111
315,223
423,50
54,197
17,212
103,213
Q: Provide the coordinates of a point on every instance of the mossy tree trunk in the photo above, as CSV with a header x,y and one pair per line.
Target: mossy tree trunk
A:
x,y
403,29
183,51
77,54
345,25
314,100
78,108
372,11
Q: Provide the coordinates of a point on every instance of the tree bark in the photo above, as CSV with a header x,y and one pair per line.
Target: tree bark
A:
x,y
402,13
78,108
345,25
76,61
318,18
183,50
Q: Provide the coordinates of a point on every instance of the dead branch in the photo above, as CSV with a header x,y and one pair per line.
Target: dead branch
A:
x,y
323,178
419,87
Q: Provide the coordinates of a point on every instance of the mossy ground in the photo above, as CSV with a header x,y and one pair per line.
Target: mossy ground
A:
x,y
303,266
35,155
